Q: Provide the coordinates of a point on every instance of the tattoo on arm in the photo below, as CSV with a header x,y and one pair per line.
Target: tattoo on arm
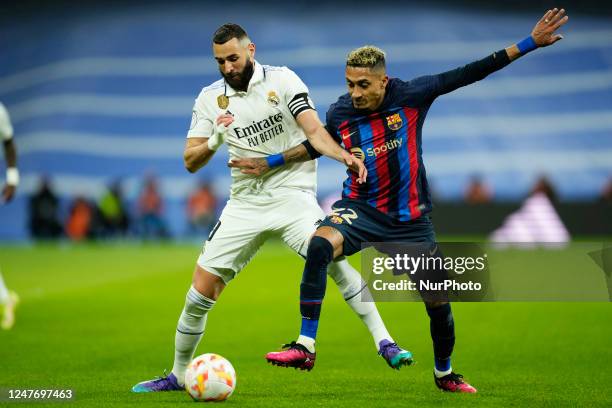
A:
x,y
296,154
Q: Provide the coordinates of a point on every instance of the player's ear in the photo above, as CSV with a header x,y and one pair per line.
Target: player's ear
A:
x,y
385,81
251,48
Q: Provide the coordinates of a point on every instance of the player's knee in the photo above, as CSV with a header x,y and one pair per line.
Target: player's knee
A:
x,y
320,251
207,284
334,237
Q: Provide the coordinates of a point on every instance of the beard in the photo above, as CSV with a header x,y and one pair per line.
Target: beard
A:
x,y
240,80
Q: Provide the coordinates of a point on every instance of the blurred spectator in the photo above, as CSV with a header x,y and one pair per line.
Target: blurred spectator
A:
x,y
201,209
150,209
113,216
545,186
606,193
44,221
477,191
79,224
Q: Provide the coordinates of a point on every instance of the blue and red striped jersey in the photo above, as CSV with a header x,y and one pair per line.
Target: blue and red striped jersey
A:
x,y
389,139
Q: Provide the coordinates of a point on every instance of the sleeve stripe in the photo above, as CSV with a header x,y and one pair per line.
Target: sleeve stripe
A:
x,y
299,104
295,101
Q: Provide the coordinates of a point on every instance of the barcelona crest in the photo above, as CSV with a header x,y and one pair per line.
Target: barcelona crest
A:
x,y
394,122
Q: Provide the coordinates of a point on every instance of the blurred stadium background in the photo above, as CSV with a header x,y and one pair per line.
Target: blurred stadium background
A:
x,y
101,92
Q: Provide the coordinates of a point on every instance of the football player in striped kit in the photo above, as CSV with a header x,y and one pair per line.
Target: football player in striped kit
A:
x,y
380,120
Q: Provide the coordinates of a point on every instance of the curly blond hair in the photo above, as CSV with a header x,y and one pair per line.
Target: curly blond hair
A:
x,y
367,56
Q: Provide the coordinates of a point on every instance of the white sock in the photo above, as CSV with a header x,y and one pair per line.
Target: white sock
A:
x,y
4,295
189,331
307,342
354,290
440,374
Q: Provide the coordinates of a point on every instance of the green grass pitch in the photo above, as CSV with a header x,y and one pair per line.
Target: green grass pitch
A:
x,y
99,318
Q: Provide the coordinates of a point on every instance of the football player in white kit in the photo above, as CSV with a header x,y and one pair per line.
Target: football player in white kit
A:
x,y
8,298
259,111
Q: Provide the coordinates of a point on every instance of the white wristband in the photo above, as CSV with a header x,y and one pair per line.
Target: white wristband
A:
x,y
214,142
12,176
218,137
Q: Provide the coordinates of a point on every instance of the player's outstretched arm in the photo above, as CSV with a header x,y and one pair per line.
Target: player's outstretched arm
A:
x,y
542,35
258,166
199,150
12,174
325,144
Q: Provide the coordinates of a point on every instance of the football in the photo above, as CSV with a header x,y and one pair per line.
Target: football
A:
x,y
210,377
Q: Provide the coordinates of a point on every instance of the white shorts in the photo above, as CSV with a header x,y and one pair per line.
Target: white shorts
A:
x,y
244,226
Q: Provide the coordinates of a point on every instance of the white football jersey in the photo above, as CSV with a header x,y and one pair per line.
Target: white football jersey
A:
x,y
264,124
6,129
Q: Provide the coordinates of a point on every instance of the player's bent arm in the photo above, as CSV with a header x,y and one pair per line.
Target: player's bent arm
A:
x,y
12,174
542,35
10,153
318,137
322,142
257,166
197,153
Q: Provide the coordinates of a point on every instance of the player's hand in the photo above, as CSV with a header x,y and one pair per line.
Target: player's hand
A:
x,y
218,138
8,192
356,166
226,119
544,31
255,166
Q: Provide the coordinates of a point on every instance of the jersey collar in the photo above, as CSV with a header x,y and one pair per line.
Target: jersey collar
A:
x,y
259,74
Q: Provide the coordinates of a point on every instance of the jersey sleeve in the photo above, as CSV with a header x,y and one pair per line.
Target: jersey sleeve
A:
x,y
330,124
436,85
296,94
6,129
202,123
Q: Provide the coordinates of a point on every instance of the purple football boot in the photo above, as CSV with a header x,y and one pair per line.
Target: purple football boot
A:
x,y
165,383
393,355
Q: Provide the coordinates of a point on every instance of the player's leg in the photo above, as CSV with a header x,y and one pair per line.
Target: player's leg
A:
x,y
230,246
200,299
8,303
441,321
325,245
297,236
355,290
442,327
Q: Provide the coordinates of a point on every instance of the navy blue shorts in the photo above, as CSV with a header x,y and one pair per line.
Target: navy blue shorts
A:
x,y
358,223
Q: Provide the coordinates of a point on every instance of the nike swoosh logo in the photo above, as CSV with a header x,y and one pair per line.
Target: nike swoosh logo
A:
x,y
348,135
433,251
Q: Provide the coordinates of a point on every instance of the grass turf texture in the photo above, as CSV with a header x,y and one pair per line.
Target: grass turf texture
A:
x,y
98,319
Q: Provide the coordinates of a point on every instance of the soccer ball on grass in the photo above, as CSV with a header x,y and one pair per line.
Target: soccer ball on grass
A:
x,y
210,377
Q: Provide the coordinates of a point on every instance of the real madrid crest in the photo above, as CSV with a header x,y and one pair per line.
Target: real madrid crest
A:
x,y
273,99
222,101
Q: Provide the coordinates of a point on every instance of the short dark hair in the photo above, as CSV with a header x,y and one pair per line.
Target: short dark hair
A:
x,y
228,31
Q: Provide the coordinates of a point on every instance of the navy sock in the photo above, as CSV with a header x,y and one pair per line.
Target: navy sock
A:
x,y
314,279
442,327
